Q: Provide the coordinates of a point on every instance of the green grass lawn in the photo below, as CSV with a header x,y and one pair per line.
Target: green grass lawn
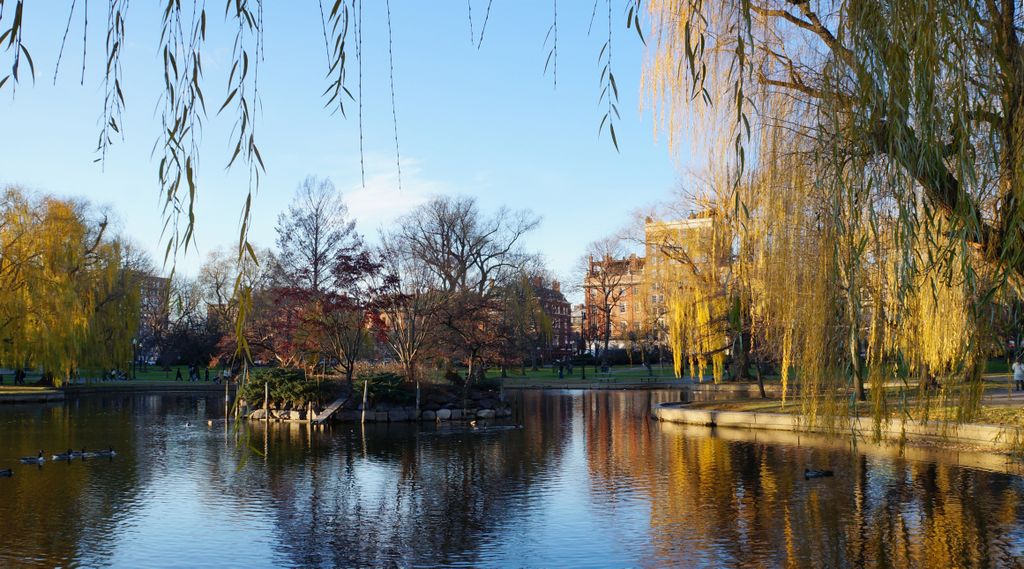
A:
x,y
621,374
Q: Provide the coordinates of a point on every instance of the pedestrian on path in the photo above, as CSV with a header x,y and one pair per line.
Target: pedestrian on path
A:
x,y
1018,376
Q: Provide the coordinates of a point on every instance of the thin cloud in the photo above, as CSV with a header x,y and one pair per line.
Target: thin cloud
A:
x,y
380,202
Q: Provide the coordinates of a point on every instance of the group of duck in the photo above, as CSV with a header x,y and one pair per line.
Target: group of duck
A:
x,y
61,457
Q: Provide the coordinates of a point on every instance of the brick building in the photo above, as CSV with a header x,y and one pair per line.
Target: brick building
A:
x,y
154,316
611,290
558,310
632,286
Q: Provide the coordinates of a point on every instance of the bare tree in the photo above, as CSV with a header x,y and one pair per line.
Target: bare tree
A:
x,y
607,273
463,249
312,233
408,306
462,259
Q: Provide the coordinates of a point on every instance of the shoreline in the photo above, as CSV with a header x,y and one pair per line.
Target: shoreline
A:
x,y
149,387
644,383
916,450
1001,439
53,394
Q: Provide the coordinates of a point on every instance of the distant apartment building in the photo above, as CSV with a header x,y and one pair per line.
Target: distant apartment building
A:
x,y
557,309
611,293
154,316
634,287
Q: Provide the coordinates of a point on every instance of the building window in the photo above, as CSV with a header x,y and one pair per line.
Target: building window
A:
x,y
622,307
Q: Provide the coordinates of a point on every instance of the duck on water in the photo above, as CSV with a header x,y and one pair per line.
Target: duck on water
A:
x,y
110,452
808,474
68,455
38,459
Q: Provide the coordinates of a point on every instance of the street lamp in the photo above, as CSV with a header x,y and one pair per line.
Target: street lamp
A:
x,y
583,337
135,357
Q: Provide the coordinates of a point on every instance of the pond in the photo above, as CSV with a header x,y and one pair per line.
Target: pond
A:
x,y
589,481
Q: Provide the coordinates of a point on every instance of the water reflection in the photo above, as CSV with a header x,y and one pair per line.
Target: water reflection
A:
x,y
589,481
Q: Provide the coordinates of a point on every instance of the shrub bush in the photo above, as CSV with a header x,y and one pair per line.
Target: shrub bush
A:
x,y
385,386
287,387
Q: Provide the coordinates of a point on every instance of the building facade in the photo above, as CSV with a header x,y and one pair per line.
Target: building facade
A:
x,y
558,311
631,291
612,289
154,316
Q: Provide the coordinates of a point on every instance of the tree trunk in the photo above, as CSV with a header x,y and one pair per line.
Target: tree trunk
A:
x,y
465,384
410,371
607,337
741,358
760,379
858,378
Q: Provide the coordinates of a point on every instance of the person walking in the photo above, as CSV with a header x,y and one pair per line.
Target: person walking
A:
x,y
177,374
1018,376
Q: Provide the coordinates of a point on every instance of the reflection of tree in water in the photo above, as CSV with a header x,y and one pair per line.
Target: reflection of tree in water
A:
x,y
401,494
720,503
66,514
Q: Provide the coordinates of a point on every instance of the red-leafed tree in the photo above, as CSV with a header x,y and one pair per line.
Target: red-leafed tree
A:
x,y
349,315
321,258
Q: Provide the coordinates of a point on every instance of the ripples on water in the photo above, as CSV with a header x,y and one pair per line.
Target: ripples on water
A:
x,y
590,481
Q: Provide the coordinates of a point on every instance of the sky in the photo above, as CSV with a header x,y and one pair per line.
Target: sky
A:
x,y
485,122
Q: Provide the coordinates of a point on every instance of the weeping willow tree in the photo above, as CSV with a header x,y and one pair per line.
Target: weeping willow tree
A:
x,y
688,263
67,300
876,147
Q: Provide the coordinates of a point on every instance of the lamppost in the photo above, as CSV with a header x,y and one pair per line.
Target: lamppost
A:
x,y
135,357
583,337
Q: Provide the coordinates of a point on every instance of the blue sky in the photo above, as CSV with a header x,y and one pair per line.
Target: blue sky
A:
x,y
485,122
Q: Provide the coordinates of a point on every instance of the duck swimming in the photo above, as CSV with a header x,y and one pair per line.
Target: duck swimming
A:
x,y
808,474
101,453
66,455
6,473
38,459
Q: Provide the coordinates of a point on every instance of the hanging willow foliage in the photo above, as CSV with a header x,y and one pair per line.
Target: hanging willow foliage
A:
x,y
687,264
875,187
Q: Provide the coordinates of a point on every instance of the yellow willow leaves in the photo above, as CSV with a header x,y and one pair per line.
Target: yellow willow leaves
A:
x,y
65,300
688,260
873,173
937,327
696,332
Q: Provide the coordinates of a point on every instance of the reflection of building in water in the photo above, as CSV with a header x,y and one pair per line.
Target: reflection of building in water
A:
x,y
718,502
